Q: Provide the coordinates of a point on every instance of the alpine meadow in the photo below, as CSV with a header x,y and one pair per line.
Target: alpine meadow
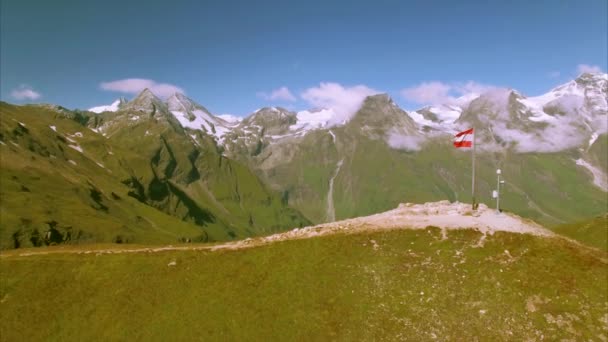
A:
x,y
303,171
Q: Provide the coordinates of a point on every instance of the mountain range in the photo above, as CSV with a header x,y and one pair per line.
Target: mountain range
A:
x,y
150,170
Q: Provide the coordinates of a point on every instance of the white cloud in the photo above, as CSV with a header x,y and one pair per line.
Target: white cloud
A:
x,y
557,136
136,85
554,74
280,94
585,68
472,87
436,92
25,92
404,142
428,92
344,101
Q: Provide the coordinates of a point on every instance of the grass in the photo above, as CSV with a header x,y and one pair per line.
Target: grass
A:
x,y
593,232
412,286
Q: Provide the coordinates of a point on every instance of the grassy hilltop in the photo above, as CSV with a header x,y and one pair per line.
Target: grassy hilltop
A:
x,y
391,285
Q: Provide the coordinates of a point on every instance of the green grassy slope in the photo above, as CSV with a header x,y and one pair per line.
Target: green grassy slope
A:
x,y
183,173
593,232
185,190
43,180
411,286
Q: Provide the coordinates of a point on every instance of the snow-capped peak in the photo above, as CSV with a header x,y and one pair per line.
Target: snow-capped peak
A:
x,y
116,105
313,119
192,115
181,102
585,96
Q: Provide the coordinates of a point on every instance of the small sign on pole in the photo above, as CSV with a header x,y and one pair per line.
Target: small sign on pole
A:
x,y
494,193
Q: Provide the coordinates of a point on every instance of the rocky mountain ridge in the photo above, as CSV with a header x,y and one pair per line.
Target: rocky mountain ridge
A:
x,y
577,110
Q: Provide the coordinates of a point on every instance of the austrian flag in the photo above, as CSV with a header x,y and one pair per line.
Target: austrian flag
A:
x,y
464,138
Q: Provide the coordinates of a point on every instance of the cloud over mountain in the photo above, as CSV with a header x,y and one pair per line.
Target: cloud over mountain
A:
x,y
25,92
280,94
344,101
136,85
585,68
404,142
434,92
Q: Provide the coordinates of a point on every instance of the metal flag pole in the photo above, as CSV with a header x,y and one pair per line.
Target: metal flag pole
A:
x,y
498,172
473,177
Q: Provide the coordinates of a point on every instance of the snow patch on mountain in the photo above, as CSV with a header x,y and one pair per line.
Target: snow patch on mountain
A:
x,y
77,148
422,121
600,178
232,119
593,138
446,113
199,121
316,119
333,136
115,106
109,108
194,116
439,117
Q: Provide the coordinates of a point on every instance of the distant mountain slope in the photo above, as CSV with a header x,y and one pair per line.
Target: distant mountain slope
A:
x,y
146,180
381,157
187,162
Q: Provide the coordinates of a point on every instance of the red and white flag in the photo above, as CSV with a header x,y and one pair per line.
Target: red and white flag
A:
x,y
464,138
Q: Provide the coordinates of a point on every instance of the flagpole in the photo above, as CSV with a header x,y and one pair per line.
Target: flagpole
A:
x,y
473,176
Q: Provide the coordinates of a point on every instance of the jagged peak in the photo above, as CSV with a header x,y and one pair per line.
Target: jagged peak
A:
x,y
584,80
146,93
597,74
380,112
271,110
180,97
146,100
146,96
271,116
383,97
496,97
587,79
180,102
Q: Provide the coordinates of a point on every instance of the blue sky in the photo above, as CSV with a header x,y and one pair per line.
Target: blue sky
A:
x,y
236,56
